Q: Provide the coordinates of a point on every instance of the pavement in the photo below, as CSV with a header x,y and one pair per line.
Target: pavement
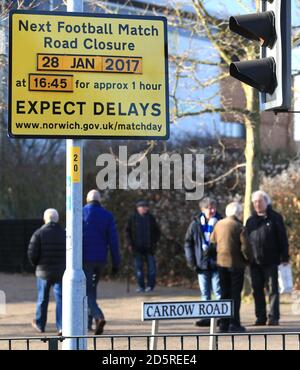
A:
x,y
122,311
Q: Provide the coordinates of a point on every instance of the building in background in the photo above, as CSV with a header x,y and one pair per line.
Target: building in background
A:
x,y
296,115
277,133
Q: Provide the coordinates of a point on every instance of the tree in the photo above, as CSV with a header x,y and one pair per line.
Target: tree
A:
x,y
186,76
31,171
185,68
216,30
214,27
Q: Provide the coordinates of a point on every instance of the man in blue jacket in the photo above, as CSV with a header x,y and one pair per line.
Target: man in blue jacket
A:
x,y
99,236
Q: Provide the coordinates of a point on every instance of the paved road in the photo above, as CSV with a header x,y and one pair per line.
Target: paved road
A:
x,y
123,315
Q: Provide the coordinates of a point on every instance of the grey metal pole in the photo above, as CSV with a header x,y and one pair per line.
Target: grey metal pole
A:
x,y
74,281
154,331
3,93
213,330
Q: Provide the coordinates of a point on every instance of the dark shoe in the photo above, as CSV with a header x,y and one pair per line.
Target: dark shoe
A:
x,y
237,329
36,327
223,329
272,322
260,322
99,326
203,322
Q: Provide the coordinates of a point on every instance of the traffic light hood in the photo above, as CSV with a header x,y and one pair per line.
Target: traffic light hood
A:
x,y
260,74
258,26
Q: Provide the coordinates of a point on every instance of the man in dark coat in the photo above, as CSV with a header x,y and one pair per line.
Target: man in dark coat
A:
x,y
269,242
142,235
47,252
99,237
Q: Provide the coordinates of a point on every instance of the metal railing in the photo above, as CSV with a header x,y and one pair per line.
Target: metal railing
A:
x,y
165,341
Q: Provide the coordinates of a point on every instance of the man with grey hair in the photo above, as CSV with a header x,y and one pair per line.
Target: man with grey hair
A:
x,y
47,252
233,253
196,245
93,196
269,242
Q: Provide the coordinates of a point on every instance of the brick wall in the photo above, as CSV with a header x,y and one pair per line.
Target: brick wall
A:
x,y
276,131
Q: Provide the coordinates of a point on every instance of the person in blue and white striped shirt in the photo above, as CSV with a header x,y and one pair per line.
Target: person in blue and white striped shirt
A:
x,y
198,258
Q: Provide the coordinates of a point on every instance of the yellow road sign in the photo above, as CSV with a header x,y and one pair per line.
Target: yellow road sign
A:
x,y
86,75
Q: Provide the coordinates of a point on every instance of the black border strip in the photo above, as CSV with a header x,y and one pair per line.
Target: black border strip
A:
x,y
90,15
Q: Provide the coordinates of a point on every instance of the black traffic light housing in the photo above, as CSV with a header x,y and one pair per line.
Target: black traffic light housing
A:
x,y
258,26
270,75
260,74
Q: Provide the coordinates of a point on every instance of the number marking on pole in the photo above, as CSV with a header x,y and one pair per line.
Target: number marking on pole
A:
x,y
75,166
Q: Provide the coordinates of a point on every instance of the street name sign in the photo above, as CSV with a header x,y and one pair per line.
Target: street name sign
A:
x,y
186,310
83,75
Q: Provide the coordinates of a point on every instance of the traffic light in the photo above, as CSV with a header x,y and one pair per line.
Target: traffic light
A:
x,y
271,74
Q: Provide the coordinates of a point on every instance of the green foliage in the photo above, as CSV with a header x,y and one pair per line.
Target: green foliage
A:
x,y
170,207
289,206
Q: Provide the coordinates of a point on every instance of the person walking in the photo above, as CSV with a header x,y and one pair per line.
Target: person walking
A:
x,y
269,243
230,241
47,253
99,237
196,246
142,235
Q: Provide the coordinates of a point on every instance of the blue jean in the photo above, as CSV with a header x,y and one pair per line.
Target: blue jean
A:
x,y
92,273
209,281
151,270
43,288
96,277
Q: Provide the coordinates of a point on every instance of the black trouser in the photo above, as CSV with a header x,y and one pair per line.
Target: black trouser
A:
x,y
231,281
265,277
